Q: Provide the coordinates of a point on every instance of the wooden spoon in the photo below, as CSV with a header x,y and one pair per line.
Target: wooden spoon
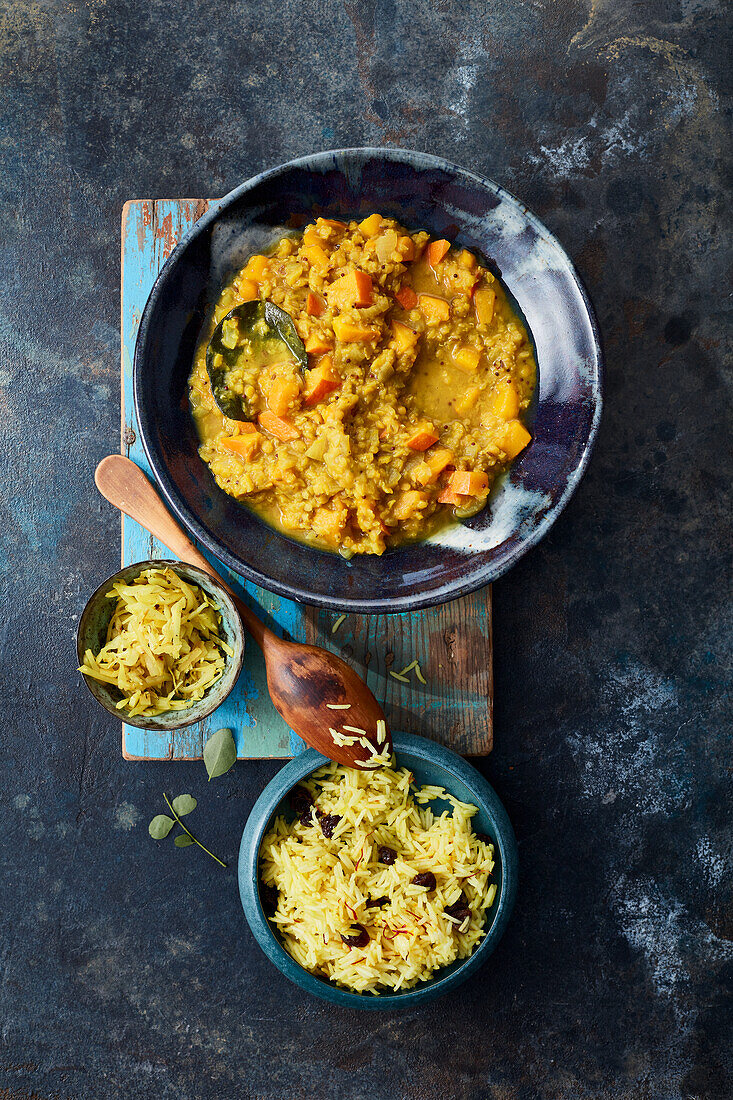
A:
x,y
302,679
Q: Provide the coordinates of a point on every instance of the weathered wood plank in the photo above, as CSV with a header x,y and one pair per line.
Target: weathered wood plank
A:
x,y
452,643
150,232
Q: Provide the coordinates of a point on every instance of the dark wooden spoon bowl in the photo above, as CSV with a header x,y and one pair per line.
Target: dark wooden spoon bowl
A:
x,y
302,679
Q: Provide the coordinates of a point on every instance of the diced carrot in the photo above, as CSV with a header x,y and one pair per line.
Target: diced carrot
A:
x,y
484,300
468,483
433,309
449,497
282,429
256,268
316,257
320,381
314,305
467,358
504,403
408,504
466,402
351,332
433,464
406,297
436,252
244,446
405,338
247,290
467,259
515,438
280,394
352,289
422,438
317,345
371,225
406,248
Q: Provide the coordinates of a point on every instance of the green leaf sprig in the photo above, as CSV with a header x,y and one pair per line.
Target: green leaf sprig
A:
x,y
220,754
161,825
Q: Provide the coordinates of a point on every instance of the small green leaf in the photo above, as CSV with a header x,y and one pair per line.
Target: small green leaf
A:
x,y
183,841
160,826
220,753
183,804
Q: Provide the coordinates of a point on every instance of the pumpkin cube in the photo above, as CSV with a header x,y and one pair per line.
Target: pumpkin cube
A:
x,y
467,358
316,344
320,381
484,300
504,402
433,309
350,332
515,438
405,338
371,225
256,268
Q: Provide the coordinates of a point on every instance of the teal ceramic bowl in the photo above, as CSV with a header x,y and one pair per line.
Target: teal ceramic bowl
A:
x,y
92,633
430,763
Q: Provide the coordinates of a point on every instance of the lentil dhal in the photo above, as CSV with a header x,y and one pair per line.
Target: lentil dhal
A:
x,y
419,372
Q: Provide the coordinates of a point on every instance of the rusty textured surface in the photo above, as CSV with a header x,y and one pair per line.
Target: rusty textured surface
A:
x,y
126,969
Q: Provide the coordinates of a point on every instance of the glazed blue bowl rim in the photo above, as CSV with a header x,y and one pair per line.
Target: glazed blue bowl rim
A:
x,y
204,707
461,586
247,870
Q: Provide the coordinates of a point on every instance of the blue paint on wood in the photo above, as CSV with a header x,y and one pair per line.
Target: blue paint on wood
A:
x,y
150,230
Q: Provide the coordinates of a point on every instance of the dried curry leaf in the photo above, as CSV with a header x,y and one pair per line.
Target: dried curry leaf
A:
x,y
256,322
220,752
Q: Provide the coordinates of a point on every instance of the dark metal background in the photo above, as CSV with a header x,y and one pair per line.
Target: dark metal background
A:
x,y
126,969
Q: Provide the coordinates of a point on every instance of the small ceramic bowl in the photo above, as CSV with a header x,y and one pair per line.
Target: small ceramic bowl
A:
x,y
422,192
431,763
92,633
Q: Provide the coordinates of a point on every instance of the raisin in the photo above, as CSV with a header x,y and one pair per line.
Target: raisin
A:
x,y
459,909
426,879
268,897
360,940
377,903
329,823
482,836
386,855
301,800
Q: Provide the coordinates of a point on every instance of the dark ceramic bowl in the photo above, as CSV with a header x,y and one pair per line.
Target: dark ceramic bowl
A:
x,y
431,763
423,192
92,632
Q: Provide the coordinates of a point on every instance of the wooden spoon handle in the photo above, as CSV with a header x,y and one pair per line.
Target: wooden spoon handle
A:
x,y
124,484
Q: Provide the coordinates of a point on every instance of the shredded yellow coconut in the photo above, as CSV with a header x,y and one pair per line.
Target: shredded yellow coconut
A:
x,y
163,649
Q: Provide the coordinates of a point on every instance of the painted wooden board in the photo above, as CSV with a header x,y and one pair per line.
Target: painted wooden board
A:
x,y
452,643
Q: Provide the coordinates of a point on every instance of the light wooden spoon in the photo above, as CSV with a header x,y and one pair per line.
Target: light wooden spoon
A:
x,y
302,679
